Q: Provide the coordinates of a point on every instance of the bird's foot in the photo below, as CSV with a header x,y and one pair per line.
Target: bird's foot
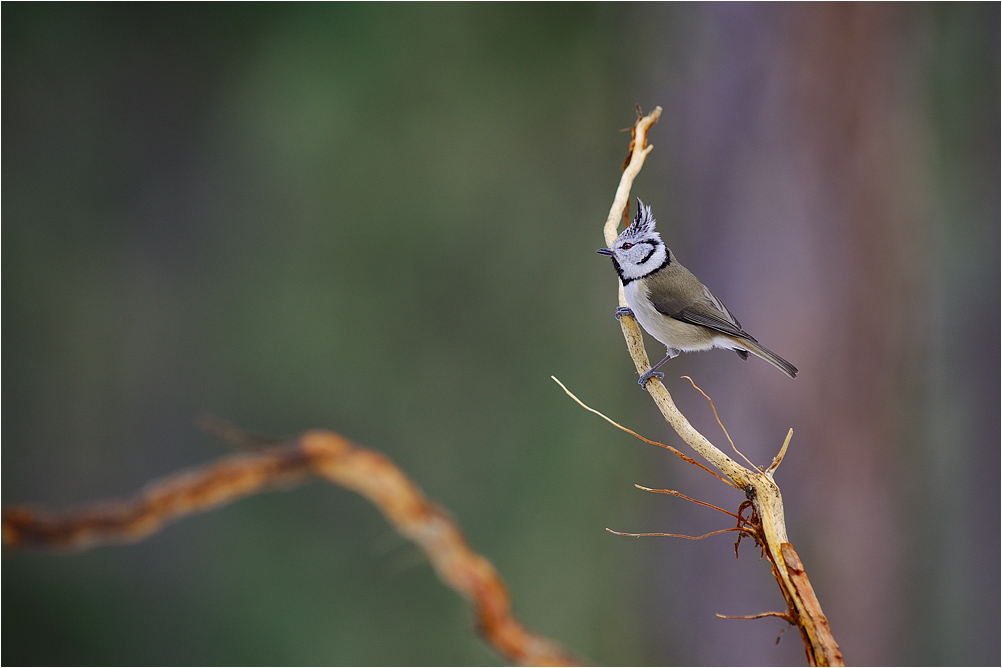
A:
x,y
647,376
623,310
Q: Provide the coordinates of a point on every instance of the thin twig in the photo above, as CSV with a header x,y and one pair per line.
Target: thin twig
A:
x,y
673,535
717,417
761,615
687,498
678,453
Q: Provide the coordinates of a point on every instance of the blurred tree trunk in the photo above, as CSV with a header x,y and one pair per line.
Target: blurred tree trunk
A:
x,y
802,141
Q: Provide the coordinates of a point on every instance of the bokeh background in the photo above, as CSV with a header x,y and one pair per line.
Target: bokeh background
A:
x,y
381,219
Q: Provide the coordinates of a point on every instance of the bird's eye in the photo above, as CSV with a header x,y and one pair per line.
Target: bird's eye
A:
x,y
627,246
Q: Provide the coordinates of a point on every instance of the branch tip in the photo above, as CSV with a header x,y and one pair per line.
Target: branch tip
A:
x,y
779,457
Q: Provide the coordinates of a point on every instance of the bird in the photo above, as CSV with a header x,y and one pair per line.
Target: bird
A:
x,y
671,304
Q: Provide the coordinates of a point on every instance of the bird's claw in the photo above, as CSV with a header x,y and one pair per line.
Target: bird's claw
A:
x,y
623,310
647,376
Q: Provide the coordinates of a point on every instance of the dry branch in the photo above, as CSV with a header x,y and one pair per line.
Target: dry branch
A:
x,y
320,453
760,488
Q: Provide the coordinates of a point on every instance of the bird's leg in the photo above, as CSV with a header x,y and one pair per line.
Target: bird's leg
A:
x,y
672,352
654,369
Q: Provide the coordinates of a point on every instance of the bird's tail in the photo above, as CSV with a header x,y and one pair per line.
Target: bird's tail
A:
x,y
772,358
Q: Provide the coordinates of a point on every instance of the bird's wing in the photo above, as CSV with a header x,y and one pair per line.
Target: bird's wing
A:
x,y
701,313
707,311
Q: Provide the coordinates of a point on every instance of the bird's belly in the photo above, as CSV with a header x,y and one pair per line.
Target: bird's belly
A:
x,y
669,331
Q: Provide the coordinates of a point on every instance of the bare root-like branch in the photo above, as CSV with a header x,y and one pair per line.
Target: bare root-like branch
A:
x,y
315,453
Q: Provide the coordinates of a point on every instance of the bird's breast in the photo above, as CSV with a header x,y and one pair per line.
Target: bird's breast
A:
x,y
669,331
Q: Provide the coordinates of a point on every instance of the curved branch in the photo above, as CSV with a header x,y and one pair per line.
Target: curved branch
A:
x,y
315,453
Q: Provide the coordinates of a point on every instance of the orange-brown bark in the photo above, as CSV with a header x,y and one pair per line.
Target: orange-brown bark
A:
x,y
320,453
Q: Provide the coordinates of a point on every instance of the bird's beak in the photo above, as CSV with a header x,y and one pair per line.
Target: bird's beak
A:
x,y
604,251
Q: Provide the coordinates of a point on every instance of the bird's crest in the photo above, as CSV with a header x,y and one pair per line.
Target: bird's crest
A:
x,y
643,221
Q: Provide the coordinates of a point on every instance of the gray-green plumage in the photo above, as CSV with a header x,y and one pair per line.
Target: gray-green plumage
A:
x,y
667,290
671,304
676,293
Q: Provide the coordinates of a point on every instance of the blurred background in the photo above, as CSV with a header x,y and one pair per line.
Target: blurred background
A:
x,y
382,220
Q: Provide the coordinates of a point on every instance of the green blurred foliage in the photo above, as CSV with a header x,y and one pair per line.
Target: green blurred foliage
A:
x,y
299,216
379,219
